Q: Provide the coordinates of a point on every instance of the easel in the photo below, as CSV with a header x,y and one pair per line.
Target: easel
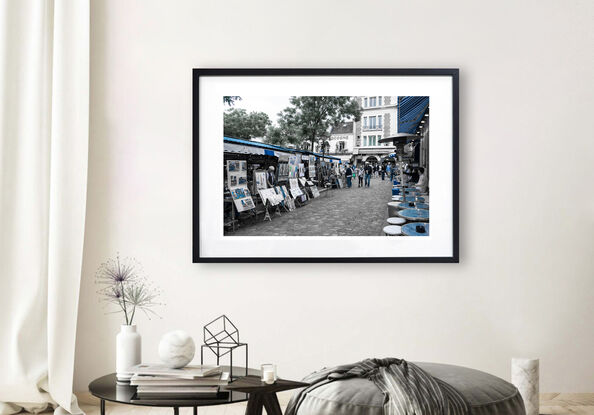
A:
x,y
267,214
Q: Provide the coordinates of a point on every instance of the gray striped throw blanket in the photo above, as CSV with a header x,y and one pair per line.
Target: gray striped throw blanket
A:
x,y
408,389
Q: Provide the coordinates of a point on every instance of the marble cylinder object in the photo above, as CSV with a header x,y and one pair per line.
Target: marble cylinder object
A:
x,y
524,376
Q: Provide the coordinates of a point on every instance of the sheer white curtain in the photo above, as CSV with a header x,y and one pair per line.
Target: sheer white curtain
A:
x,y
44,98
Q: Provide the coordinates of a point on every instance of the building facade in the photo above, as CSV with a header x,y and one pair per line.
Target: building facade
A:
x,y
358,142
342,140
379,119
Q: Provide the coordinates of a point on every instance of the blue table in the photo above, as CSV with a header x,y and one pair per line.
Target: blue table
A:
x,y
410,229
404,205
414,214
414,199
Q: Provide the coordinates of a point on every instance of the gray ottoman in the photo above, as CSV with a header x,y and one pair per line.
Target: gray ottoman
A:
x,y
485,394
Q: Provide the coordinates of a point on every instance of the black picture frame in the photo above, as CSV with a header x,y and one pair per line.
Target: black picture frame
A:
x,y
198,73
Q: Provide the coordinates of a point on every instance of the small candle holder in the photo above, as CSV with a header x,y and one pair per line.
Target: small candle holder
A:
x,y
268,373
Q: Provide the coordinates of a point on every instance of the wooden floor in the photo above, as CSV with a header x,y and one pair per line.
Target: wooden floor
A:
x,y
550,403
567,403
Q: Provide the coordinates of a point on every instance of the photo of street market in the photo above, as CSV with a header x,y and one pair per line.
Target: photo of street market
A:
x,y
326,166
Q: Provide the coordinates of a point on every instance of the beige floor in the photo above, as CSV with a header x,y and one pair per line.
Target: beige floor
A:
x,y
567,403
550,403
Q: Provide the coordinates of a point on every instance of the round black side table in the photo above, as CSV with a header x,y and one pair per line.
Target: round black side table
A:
x,y
248,388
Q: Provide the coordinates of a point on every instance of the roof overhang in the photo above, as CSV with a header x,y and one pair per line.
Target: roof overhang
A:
x,y
400,138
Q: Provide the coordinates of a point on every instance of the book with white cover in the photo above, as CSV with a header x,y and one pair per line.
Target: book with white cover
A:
x,y
177,390
179,402
176,395
216,380
187,372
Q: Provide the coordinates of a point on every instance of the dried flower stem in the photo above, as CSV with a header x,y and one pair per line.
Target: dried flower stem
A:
x,y
124,285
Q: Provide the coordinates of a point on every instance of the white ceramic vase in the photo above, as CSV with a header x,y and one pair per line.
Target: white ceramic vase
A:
x,y
128,351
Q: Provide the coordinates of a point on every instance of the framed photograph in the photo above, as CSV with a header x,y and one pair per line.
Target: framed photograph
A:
x,y
350,165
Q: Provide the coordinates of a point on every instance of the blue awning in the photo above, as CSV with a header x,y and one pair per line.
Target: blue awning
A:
x,y
410,113
256,144
254,147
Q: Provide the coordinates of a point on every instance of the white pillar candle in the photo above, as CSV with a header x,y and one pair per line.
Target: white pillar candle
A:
x,y
268,376
524,376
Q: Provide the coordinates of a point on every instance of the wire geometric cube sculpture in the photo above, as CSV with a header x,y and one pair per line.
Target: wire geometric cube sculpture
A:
x,y
221,331
221,337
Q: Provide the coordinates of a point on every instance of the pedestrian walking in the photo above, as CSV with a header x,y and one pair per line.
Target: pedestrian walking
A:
x,y
383,170
368,173
349,176
360,172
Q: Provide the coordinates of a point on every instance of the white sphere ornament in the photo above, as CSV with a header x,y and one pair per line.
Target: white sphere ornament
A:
x,y
176,349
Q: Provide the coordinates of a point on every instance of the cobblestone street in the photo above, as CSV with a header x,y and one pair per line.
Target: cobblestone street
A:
x,y
337,212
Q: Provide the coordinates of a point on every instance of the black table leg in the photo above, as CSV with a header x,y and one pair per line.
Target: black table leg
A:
x,y
271,404
175,410
102,407
255,404
259,401
195,410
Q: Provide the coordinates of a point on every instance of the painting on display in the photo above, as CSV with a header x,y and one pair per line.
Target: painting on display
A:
x,y
260,179
294,188
237,183
242,198
283,171
386,116
270,195
294,183
294,160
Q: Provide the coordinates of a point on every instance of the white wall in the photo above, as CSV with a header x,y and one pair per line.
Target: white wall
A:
x,y
525,282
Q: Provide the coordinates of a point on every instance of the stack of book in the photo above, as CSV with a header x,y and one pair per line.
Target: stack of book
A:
x,y
159,383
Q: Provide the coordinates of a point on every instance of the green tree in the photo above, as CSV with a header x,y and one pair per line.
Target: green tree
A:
x,y
312,117
282,134
274,135
230,100
238,123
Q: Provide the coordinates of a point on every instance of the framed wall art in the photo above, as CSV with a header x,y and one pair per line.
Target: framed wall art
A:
x,y
325,165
